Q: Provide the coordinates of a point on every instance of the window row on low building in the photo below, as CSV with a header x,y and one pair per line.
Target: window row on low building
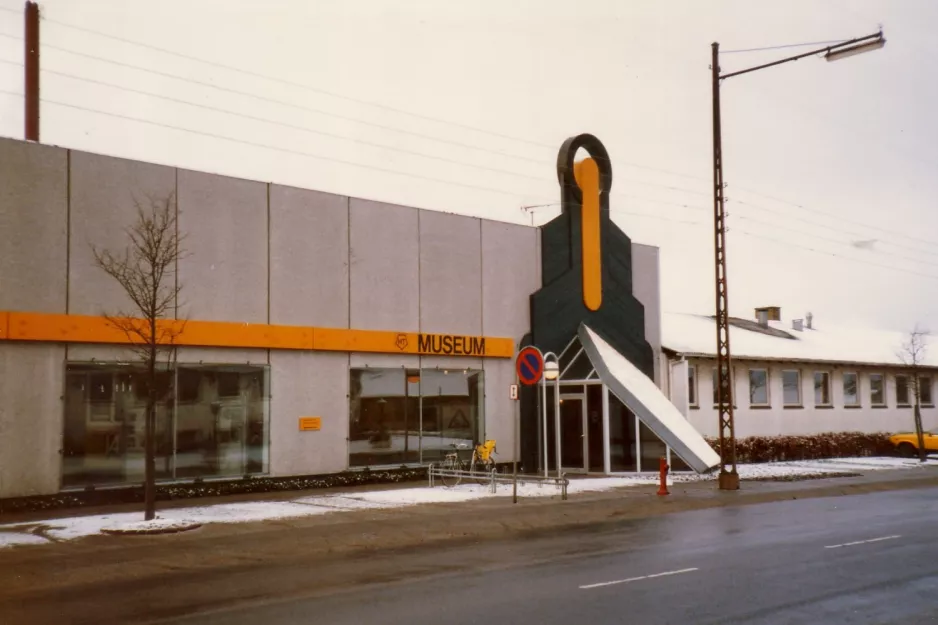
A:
x,y
874,393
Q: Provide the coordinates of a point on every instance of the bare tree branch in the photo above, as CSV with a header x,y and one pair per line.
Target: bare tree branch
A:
x,y
146,271
912,355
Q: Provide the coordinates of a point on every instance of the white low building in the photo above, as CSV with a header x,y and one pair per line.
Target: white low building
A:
x,y
797,377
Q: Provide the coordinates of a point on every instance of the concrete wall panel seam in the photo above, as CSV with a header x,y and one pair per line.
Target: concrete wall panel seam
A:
x,y
348,256
68,225
419,275
268,252
481,282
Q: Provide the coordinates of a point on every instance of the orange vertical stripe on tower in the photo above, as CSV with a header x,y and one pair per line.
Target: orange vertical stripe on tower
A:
x,y
587,178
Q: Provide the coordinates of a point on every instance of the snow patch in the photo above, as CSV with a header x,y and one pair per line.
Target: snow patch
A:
x,y
693,334
13,539
244,512
154,526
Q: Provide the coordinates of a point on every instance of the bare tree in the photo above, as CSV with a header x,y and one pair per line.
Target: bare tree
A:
x,y
146,271
912,355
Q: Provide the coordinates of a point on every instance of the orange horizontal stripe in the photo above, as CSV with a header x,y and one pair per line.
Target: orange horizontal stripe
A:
x,y
26,326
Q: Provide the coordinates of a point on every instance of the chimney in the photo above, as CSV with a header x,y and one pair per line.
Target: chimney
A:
x,y
768,313
796,324
808,318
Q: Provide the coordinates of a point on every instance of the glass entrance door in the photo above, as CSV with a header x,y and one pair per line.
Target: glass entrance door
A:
x,y
573,441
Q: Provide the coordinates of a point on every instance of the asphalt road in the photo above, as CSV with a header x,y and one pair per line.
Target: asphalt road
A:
x,y
861,559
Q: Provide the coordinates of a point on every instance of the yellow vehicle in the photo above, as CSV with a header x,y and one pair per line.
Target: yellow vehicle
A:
x,y
906,443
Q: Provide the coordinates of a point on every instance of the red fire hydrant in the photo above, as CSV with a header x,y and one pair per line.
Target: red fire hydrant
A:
x,y
663,470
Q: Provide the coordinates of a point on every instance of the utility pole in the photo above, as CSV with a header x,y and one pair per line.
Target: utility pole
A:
x,y
31,99
729,478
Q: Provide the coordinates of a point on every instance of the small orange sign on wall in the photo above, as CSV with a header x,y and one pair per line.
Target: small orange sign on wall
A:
x,y
310,424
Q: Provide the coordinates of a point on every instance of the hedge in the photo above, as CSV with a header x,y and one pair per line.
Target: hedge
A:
x,y
754,449
198,489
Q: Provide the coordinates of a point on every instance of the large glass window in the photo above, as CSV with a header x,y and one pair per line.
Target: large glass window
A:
x,y
822,388
758,387
851,389
215,425
621,436
716,386
877,389
401,416
924,389
692,385
221,420
791,388
902,390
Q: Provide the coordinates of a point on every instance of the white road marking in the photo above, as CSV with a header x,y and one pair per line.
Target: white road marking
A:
x,y
863,542
635,579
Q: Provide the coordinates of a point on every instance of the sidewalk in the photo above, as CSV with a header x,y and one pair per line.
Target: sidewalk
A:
x,y
223,562
40,528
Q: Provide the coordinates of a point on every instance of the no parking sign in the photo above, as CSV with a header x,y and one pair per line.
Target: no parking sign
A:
x,y
529,366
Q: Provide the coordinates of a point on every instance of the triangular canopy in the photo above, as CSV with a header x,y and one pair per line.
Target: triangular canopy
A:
x,y
640,395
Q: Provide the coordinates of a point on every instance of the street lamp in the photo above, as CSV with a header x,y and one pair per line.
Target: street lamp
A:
x,y
729,479
551,373
551,369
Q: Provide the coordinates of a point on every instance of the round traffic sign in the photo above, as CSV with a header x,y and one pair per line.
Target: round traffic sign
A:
x,y
529,366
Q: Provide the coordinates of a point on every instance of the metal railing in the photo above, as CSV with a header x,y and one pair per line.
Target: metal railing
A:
x,y
493,478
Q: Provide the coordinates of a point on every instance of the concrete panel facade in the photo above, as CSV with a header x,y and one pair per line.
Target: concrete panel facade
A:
x,y
33,227
78,352
224,275
450,274
500,409
309,252
310,385
86,352
223,355
31,414
104,191
359,360
384,257
510,273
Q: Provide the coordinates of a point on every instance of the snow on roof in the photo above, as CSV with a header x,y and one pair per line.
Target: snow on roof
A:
x,y
696,335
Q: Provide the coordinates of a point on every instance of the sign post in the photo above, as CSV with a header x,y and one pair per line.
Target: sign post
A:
x,y
529,367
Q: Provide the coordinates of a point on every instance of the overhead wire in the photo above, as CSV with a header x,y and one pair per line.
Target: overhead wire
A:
x,y
310,109
784,46
839,241
371,103
878,235
408,174
379,105
814,210
349,98
282,124
309,129
270,147
292,83
858,260
442,159
285,103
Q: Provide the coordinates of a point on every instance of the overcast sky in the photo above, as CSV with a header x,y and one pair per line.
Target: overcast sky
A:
x,y
461,107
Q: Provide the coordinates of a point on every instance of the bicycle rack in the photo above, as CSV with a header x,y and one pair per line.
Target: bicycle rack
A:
x,y
494,478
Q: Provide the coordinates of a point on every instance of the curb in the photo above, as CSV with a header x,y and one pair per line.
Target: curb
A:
x,y
144,529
